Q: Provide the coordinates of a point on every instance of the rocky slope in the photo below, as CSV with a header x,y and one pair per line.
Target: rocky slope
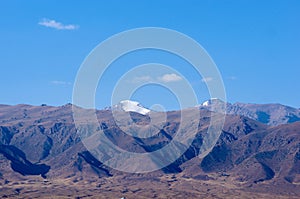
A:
x,y
42,141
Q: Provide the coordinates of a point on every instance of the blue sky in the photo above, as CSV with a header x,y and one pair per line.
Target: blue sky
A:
x,y
255,44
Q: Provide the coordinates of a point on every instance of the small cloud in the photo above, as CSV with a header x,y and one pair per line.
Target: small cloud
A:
x,y
50,23
141,79
56,82
232,77
172,77
207,79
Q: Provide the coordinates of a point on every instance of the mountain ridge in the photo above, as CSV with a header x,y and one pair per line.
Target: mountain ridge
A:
x,y
272,114
249,155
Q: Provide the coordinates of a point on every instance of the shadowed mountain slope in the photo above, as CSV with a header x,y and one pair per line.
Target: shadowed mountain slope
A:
x,y
42,140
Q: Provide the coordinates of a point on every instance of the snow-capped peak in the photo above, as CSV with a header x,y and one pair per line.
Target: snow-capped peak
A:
x,y
132,106
206,103
212,101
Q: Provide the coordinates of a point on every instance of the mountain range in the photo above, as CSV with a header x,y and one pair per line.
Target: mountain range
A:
x,y
256,156
270,114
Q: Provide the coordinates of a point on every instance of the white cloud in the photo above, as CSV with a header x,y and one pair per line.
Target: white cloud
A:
x,y
172,77
142,79
207,79
56,82
232,77
50,23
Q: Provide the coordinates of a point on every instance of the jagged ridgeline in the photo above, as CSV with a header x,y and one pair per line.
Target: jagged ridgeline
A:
x,y
252,149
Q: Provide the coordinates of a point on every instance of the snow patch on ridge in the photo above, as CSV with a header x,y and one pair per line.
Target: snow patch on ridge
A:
x,y
211,101
132,106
